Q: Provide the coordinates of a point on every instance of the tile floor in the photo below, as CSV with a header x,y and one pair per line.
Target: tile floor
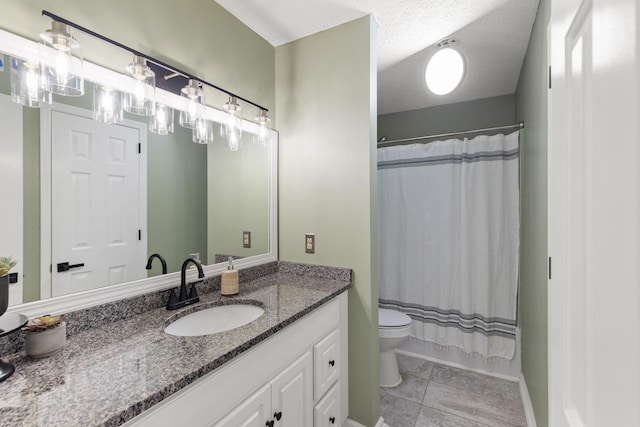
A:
x,y
436,395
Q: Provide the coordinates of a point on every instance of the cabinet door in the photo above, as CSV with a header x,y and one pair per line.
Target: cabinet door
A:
x,y
327,411
326,356
253,412
292,394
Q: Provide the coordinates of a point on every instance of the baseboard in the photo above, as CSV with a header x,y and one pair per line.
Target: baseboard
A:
x,y
459,365
526,403
350,423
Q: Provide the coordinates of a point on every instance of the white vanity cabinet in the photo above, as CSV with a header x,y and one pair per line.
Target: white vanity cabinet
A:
x,y
296,378
287,400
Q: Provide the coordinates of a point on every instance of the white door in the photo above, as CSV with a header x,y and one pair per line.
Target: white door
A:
x,y
292,394
594,213
253,412
95,204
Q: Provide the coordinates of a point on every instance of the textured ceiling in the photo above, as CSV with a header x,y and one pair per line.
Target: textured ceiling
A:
x,y
493,36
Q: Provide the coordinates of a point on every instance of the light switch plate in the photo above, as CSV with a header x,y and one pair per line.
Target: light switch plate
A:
x,y
310,243
246,239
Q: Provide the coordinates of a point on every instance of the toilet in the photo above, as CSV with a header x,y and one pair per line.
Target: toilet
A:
x,y
393,329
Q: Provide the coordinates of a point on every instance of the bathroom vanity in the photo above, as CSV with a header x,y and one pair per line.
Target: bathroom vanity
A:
x,y
288,367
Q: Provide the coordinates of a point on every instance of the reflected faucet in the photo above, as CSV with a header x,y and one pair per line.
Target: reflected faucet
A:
x,y
183,300
162,260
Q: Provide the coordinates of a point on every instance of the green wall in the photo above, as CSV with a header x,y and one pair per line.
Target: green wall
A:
x,y
531,106
240,181
476,114
326,102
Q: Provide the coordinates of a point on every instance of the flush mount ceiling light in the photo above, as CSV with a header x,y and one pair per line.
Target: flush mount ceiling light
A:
x,y
61,61
140,99
446,68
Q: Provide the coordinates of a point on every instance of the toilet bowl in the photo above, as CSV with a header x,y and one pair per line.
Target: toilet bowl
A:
x,y
393,329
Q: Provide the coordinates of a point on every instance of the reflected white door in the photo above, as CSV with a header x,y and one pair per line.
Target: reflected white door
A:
x,y
594,213
95,204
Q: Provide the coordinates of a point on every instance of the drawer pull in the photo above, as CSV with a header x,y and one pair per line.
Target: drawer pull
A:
x,y
278,415
332,362
333,420
270,423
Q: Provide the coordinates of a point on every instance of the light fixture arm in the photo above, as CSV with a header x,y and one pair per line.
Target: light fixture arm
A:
x,y
147,57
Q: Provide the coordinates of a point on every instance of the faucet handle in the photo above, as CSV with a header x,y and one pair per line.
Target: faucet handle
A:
x,y
193,293
173,299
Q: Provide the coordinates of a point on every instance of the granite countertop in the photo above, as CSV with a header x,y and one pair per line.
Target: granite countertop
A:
x,y
107,375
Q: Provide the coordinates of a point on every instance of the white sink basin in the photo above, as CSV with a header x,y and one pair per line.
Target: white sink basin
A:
x,y
213,320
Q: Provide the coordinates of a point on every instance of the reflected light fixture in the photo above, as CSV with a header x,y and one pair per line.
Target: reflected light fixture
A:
x,y
264,131
107,104
193,104
203,132
446,68
140,99
25,84
161,123
61,61
231,128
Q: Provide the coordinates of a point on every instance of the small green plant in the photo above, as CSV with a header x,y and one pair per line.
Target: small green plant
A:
x,y
6,264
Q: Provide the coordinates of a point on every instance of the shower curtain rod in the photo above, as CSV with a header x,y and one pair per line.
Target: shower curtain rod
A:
x,y
405,141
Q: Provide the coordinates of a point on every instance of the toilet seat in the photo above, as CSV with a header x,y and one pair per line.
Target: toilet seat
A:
x,y
392,319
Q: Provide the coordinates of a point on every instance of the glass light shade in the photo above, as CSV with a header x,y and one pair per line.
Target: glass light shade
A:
x,y
61,62
161,122
203,132
231,128
445,71
25,84
140,99
264,131
193,104
107,105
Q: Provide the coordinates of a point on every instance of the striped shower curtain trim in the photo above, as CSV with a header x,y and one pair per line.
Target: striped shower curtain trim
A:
x,y
488,326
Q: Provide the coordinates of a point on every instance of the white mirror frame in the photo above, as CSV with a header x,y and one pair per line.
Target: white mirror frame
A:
x,y
19,47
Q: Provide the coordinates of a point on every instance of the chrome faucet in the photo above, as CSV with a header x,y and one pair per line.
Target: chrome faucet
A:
x,y
162,260
176,302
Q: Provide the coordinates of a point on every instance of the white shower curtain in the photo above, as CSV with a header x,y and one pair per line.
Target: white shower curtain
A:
x,y
449,240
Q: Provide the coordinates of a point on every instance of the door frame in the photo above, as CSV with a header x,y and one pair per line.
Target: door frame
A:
x,y
46,266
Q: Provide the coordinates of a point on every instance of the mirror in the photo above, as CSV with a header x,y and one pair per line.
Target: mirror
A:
x,y
189,200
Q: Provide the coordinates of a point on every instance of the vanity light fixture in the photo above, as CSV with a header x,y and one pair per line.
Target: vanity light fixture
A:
x,y
107,105
61,73
193,104
61,61
264,131
203,131
446,68
231,128
25,84
161,123
141,98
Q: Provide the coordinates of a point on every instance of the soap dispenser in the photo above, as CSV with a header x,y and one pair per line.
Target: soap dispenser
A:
x,y
230,282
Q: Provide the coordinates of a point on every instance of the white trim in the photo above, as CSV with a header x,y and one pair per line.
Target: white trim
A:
x,y
526,403
350,423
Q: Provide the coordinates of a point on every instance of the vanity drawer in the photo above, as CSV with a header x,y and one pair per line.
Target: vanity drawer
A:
x,y
326,361
327,412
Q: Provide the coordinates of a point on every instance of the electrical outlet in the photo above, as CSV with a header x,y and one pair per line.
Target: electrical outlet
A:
x,y
310,243
246,239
